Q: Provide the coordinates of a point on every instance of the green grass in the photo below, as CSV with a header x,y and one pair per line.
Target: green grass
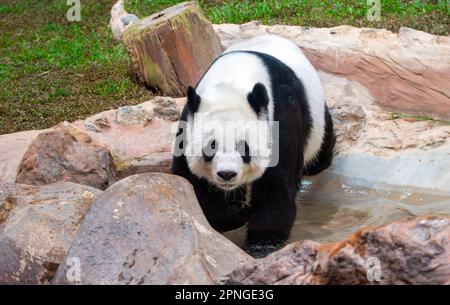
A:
x,y
429,16
53,70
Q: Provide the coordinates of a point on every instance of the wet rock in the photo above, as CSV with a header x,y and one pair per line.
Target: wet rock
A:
x,y
37,227
407,71
149,229
416,251
65,155
424,170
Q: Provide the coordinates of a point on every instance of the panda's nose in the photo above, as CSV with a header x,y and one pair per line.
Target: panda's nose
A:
x,y
227,175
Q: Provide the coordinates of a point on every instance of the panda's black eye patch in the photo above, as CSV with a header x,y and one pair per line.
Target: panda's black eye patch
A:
x,y
244,151
209,151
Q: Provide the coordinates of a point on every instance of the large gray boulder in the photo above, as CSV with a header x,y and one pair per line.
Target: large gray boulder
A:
x,y
148,229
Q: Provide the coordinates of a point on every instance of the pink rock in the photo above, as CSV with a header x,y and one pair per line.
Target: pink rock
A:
x,y
62,155
415,251
407,72
131,143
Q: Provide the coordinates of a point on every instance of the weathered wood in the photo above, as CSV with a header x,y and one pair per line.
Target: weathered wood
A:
x,y
171,50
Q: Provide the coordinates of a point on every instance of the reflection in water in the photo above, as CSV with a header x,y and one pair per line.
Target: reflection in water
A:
x,y
330,208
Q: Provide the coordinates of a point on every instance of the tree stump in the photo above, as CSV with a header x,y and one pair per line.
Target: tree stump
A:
x,y
171,50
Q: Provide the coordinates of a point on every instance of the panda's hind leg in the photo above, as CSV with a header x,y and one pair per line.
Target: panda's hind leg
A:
x,y
325,155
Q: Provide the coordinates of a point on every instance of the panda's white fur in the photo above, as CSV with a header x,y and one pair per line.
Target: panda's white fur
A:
x,y
227,70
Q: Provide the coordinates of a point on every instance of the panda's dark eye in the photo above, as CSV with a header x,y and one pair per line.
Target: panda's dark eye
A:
x,y
209,151
244,151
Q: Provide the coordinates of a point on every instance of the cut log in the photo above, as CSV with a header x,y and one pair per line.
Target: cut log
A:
x,y
171,50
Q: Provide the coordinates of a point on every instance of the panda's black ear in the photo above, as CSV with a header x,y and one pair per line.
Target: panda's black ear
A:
x,y
258,98
193,100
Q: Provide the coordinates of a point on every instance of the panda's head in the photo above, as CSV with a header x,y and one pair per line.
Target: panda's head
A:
x,y
228,135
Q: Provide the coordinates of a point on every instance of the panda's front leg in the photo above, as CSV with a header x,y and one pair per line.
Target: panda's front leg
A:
x,y
273,214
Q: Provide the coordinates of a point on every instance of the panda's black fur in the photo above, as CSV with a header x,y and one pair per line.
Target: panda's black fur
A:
x,y
271,213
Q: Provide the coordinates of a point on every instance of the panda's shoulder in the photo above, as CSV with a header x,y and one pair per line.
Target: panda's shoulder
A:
x,y
242,69
235,61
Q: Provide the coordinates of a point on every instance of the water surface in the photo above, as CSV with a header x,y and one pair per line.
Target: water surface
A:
x,y
330,207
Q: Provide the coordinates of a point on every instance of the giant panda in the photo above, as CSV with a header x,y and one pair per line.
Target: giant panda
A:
x,y
265,81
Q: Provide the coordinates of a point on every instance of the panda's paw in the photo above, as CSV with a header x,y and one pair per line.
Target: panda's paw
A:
x,y
262,249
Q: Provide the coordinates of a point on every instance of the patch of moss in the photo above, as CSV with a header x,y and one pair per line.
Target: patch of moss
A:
x,y
154,75
399,115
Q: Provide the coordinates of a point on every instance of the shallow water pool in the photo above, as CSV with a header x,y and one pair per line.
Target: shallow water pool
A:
x,y
331,207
